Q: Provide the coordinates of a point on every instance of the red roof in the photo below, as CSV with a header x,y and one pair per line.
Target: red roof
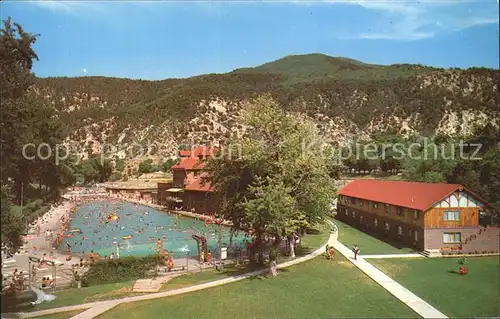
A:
x,y
195,184
189,163
198,151
184,153
413,195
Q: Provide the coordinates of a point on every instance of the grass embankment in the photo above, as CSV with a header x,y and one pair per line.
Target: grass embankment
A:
x,y
311,241
315,289
74,296
369,245
436,280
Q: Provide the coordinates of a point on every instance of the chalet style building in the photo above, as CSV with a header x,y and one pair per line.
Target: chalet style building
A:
x,y
427,216
187,192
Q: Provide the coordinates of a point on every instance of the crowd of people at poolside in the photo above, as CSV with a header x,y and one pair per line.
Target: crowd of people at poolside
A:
x,y
17,281
132,196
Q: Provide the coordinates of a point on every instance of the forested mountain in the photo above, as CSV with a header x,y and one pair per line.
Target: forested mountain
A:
x,y
344,96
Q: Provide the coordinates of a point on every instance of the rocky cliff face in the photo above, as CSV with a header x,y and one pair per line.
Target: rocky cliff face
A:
x,y
345,100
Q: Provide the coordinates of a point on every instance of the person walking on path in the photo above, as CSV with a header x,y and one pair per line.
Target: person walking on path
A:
x,y
355,250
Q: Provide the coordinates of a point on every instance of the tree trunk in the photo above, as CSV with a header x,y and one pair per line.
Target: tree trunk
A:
x,y
257,248
291,241
273,269
277,241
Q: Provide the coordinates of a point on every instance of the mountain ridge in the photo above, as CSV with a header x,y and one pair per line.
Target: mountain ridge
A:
x,y
345,97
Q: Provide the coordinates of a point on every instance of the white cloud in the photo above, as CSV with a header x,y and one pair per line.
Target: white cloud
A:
x,y
84,70
64,6
414,20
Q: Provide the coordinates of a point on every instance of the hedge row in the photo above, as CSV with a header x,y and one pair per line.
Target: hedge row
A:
x,y
118,270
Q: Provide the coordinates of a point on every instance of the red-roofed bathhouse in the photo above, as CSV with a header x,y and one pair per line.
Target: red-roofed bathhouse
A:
x,y
187,191
428,216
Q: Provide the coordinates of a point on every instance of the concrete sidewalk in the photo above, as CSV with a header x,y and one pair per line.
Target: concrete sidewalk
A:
x,y
404,295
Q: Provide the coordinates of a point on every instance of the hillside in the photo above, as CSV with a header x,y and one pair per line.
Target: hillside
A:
x,y
320,67
346,97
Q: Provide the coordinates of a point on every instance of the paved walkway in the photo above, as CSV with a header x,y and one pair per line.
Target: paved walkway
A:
x,y
407,297
96,308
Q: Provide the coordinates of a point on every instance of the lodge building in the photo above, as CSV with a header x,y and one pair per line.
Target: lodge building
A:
x,y
427,216
187,191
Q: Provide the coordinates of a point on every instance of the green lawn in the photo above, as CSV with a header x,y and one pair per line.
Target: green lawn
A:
x,y
62,315
436,281
315,289
369,245
197,278
74,296
314,238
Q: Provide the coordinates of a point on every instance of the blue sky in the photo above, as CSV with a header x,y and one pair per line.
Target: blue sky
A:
x,y
157,40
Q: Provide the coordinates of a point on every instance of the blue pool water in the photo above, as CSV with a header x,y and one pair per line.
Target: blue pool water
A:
x,y
144,224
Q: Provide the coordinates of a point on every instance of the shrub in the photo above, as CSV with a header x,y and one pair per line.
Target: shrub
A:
x,y
462,261
115,176
121,269
34,205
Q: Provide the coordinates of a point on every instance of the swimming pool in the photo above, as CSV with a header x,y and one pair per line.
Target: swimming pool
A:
x,y
135,230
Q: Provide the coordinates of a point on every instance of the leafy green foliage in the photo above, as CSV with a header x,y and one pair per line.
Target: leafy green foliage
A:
x,y
121,269
476,169
275,187
12,223
27,123
146,166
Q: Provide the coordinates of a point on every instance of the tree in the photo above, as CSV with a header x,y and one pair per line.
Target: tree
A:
x,y
459,163
167,165
145,166
12,224
274,180
26,123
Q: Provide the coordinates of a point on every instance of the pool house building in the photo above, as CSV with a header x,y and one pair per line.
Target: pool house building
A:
x,y
433,217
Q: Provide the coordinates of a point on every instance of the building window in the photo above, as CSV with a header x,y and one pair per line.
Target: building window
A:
x,y
361,218
415,235
386,208
353,214
361,203
400,211
345,211
400,231
353,200
451,215
416,214
409,233
386,226
375,205
452,238
375,222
